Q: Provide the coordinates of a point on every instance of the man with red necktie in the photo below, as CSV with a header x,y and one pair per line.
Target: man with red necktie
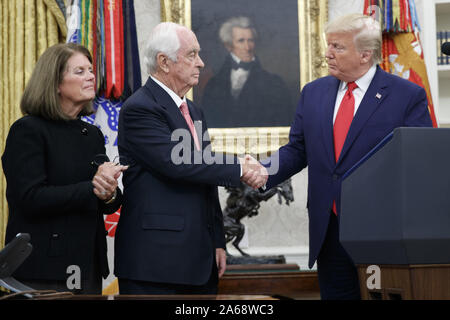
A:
x,y
170,238
339,119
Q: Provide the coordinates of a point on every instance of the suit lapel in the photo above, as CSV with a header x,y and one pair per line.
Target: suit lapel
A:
x,y
328,103
165,101
375,94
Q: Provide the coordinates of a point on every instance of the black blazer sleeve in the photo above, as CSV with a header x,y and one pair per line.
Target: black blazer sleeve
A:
x,y
24,165
112,207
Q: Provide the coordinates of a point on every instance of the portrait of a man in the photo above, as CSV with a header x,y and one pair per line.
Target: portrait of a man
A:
x,y
245,81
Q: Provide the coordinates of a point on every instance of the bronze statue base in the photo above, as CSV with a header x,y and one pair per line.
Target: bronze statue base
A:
x,y
256,260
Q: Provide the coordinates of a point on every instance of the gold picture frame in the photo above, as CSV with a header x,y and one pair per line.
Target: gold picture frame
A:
x,y
260,141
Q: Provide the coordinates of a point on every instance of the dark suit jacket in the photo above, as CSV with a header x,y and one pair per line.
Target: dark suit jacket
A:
x,y
264,100
171,220
400,103
49,171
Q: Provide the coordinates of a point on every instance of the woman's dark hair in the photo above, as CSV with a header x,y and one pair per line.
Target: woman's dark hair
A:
x,y
40,97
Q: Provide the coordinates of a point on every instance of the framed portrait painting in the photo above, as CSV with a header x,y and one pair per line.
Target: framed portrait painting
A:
x,y
258,54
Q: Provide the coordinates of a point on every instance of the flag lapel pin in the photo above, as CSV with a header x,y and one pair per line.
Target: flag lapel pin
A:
x,y
378,96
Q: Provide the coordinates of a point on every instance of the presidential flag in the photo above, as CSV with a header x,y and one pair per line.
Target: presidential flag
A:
x,y
402,50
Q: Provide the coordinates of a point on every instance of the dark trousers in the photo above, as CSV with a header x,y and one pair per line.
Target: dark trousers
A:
x,y
127,286
338,277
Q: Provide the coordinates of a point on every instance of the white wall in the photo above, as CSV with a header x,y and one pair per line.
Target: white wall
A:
x,y
148,14
338,8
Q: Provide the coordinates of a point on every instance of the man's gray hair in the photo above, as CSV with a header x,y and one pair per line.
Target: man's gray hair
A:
x,y
226,30
163,39
367,33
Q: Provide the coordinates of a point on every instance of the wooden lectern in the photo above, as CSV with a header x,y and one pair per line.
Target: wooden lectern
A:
x,y
395,214
280,280
408,282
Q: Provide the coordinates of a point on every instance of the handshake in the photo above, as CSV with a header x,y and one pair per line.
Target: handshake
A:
x,y
253,173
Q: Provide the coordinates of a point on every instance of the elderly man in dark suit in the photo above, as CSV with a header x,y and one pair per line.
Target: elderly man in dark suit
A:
x,y
170,238
242,93
339,119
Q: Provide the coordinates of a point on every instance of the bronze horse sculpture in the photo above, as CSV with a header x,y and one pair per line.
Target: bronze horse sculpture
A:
x,y
245,202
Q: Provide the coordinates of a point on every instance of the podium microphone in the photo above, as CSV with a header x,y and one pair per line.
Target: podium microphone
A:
x,y
11,257
445,48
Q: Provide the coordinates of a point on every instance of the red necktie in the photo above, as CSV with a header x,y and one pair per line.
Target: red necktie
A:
x,y
342,123
185,111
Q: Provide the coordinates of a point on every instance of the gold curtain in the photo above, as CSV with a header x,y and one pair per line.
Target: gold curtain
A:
x,y
27,28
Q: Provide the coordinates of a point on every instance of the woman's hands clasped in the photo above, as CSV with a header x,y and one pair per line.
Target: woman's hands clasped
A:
x,y
105,180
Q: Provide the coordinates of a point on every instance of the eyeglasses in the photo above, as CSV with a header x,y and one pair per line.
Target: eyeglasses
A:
x,y
100,159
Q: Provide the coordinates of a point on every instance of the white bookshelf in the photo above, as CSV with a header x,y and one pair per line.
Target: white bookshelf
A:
x,y
434,16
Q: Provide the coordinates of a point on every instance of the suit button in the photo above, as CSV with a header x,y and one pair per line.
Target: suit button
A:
x,y
335,177
106,233
55,236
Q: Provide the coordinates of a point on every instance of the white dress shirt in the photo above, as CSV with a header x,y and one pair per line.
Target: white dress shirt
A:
x,y
178,101
238,77
363,84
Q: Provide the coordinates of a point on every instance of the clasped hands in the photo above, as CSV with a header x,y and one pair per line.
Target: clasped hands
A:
x,y
253,173
105,180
